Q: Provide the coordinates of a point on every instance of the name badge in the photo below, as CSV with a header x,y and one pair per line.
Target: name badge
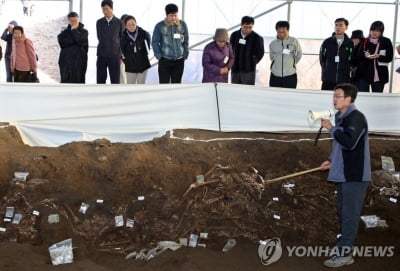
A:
x,y
226,59
382,52
286,51
383,64
337,59
177,36
242,41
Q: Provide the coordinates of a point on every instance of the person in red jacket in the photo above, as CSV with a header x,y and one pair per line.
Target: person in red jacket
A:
x,y
23,56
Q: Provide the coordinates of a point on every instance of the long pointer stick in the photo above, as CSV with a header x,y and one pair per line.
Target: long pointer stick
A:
x,y
292,175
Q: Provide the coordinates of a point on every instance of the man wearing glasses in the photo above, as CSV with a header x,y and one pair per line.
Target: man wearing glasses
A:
x,y
349,168
335,56
248,50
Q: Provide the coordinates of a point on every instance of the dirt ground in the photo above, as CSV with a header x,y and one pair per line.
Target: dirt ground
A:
x,y
149,183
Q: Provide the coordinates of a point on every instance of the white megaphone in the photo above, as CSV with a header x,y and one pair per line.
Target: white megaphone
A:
x,y
314,116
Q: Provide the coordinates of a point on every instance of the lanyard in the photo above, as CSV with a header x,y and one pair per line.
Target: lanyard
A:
x,y
134,37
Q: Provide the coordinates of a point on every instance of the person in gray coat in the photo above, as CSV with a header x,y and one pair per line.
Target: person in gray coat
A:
x,y
285,52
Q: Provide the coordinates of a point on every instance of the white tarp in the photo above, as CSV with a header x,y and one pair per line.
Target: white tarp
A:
x,y
244,108
52,115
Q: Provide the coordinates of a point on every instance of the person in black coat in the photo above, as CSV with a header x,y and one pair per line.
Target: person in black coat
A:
x,y
375,54
135,44
8,37
109,33
335,56
74,48
248,50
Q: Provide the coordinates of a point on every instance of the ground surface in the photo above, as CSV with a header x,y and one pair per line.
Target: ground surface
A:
x,y
231,205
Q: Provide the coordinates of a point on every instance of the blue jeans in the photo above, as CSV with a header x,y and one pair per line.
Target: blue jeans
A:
x,y
349,203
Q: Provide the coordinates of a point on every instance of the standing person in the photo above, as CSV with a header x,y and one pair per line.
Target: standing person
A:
x,y
74,45
109,33
23,56
335,56
217,58
375,54
248,49
122,77
8,38
285,52
349,167
171,46
135,49
357,36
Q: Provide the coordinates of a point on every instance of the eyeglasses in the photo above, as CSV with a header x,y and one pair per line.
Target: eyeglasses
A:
x,y
338,96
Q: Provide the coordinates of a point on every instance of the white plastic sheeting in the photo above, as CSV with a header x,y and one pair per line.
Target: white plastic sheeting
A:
x,y
52,115
244,108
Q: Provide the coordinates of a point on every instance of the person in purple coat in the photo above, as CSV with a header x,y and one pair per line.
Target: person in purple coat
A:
x,y
218,58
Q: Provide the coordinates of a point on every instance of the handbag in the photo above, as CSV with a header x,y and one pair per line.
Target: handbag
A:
x,y
32,77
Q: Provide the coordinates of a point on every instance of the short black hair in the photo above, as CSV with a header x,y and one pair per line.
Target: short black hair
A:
x,y
378,26
247,20
123,17
357,34
171,9
346,22
107,3
129,17
72,14
284,24
18,27
349,90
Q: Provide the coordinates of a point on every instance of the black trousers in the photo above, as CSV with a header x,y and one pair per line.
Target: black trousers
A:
x,y
328,85
289,81
21,76
170,70
114,69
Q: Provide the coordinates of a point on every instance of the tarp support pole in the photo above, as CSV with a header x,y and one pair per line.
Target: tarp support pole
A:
x,y
396,12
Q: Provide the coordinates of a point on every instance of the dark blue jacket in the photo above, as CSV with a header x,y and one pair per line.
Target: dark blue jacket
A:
x,y
332,71
7,37
109,35
350,157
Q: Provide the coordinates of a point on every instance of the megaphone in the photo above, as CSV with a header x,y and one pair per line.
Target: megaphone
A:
x,y
314,116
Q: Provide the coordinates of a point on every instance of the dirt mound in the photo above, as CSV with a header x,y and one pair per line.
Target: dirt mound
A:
x,y
153,184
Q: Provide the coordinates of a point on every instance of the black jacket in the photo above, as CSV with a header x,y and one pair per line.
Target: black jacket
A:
x,y
7,37
73,54
365,67
109,35
332,71
246,55
135,53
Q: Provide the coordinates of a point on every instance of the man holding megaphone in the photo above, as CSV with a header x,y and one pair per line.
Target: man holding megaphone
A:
x,y
349,167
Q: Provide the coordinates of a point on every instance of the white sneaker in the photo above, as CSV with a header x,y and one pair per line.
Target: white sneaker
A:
x,y
337,261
